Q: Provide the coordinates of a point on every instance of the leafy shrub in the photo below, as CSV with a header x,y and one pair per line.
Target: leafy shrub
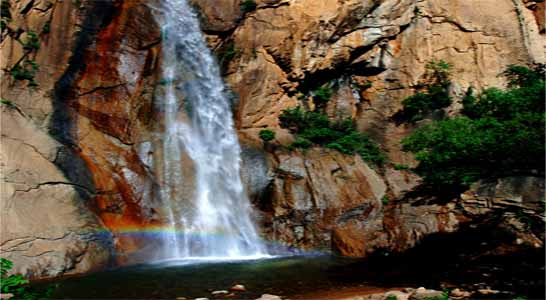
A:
x,y
32,41
296,120
520,76
501,132
315,128
5,15
18,286
228,53
322,95
401,167
47,27
25,71
4,9
434,96
356,142
6,102
267,135
366,85
248,6
302,143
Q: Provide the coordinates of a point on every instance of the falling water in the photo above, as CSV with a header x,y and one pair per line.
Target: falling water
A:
x,y
198,124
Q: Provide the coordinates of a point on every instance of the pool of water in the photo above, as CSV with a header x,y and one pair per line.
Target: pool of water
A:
x,y
286,276
439,262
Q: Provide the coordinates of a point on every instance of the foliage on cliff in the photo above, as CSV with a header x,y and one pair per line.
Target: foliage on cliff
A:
x,y
19,286
267,135
433,93
500,132
315,128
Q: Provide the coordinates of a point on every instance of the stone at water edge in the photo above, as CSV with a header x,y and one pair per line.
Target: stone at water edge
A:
x,y
459,294
201,299
488,291
399,295
6,296
222,292
238,288
424,294
269,297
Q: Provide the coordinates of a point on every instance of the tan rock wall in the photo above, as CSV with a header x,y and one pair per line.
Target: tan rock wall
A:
x,y
46,228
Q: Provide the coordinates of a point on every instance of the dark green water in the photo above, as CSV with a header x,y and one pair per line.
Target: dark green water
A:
x,y
280,276
439,262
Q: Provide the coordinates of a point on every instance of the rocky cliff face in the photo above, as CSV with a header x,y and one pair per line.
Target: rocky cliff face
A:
x,y
77,148
90,110
373,54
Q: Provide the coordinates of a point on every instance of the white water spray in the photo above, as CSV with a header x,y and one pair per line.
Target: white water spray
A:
x,y
216,221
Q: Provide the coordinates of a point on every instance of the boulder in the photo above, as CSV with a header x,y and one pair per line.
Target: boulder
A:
x,y
238,288
269,297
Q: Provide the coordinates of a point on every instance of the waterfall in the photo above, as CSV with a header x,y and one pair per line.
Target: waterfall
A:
x,y
215,220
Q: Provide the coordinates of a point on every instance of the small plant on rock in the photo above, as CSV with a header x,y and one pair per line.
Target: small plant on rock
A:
x,y
5,15
315,128
302,143
228,53
322,95
248,6
267,135
6,102
18,286
400,167
434,95
47,27
25,71
32,41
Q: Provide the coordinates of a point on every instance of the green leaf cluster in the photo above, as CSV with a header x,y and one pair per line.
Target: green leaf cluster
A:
x,y
5,15
267,135
47,27
228,53
248,6
18,286
6,102
434,96
32,42
322,95
500,133
315,128
25,71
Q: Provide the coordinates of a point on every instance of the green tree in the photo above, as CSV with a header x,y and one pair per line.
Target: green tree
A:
x,y
500,133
